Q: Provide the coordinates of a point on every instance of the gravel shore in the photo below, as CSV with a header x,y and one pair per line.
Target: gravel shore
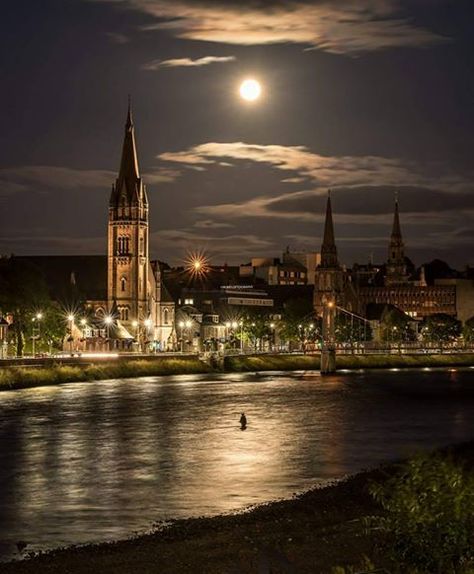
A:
x,y
311,533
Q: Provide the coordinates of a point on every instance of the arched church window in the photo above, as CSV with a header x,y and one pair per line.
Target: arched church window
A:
x,y
142,246
165,316
123,284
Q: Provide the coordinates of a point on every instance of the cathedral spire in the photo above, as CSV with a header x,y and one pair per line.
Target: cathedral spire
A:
x,y
128,187
129,123
328,247
396,230
129,162
396,266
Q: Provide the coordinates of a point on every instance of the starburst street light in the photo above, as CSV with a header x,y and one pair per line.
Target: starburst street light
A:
x,y
197,264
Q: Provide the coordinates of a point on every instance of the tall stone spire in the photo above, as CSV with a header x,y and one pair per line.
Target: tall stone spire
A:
x,y
128,238
396,231
396,266
128,188
329,281
328,247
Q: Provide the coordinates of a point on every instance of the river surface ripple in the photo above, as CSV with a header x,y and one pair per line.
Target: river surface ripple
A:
x,y
98,461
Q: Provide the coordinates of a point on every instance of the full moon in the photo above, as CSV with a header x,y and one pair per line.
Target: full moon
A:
x,y
250,90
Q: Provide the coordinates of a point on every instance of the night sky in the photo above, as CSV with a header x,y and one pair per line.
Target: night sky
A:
x,y
366,97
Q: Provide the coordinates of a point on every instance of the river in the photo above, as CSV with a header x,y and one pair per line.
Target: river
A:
x,y
98,461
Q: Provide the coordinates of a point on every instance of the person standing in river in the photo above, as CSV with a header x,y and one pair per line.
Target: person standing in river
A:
x,y
243,421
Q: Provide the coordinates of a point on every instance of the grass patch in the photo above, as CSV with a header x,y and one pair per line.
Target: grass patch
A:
x,y
272,363
24,377
312,362
403,361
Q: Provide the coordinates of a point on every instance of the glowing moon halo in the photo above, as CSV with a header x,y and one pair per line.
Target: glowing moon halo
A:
x,y
250,90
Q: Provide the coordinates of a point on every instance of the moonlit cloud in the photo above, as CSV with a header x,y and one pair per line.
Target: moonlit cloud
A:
x,y
338,26
321,171
186,62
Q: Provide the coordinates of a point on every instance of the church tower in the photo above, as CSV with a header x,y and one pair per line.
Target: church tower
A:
x,y
128,289
396,265
328,285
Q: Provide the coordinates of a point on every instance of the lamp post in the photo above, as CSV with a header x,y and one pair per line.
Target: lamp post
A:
x,y
33,337
328,347
241,323
272,340
234,327
70,319
148,324
108,321
36,333
188,325
181,327
136,326
301,335
39,316
84,325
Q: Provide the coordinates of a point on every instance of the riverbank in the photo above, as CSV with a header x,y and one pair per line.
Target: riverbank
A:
x,y
126,367
309,534
246,363
26,377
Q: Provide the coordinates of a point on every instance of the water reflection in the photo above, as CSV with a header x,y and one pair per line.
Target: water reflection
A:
x,y
93,461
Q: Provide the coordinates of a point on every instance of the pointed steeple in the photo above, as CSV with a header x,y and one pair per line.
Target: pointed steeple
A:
x,y
128,189
396,266
129,162
328,247
396,230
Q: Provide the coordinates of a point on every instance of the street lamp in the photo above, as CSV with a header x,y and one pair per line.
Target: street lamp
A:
x,y
83,325
272,340
33,337
148,325
136,326
241,323
188,325
39,316
70,319
181,327
108,321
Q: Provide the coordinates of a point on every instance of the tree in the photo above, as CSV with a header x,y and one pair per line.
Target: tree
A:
x,y
468,330
395,326
429,516
300,322
256,328
440,328
23,294
351,329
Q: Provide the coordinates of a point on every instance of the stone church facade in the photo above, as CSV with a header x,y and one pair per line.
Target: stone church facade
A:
x,y
137,299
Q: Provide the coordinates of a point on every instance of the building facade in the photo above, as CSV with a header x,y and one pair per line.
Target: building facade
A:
x,y
142,311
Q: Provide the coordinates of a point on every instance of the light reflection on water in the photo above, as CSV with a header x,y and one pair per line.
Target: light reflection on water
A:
x,y
92,461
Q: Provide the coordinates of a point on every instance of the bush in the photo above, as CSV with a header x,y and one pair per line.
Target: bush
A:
x,y
429,517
